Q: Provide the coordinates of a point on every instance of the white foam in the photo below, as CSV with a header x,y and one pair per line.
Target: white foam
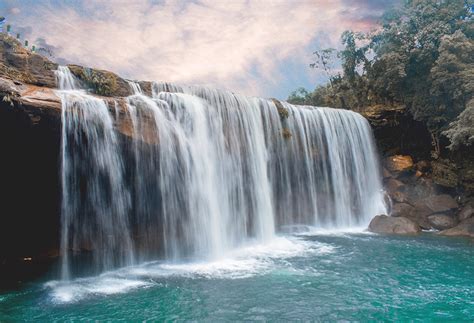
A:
x,y
244,262
317,231
71,291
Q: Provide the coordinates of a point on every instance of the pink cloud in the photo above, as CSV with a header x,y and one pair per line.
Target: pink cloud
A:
x,y
233,44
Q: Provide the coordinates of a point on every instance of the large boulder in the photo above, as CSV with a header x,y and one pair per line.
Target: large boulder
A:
x,y
437,204
393,225
465,228
442,221
393,185
402,209
400,197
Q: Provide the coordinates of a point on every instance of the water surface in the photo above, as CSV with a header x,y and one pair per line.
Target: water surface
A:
x,y
353,276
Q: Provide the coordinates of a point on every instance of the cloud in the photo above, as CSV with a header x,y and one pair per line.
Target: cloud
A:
x,y
237,44
14,11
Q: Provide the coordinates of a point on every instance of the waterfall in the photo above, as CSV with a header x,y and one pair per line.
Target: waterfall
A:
x,y
95,201
204,171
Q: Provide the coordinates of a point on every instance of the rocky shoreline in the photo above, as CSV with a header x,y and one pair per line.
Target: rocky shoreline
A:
x,y
424,193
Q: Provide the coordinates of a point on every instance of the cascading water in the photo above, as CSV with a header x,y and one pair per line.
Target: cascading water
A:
x,y
96,201
204,171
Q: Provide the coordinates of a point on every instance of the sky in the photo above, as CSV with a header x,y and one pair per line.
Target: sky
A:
x,y
254,47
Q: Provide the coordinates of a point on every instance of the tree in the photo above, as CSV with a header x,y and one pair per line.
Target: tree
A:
x,y
461,131
299,96
420,58
325,60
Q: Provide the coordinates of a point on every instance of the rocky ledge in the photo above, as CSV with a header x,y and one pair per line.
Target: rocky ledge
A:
x,y
414,193
391,225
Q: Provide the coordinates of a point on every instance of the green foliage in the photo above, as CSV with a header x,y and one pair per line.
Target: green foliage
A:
x,y
422,58
300,96
461,131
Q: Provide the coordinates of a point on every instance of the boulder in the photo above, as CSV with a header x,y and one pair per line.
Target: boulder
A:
x,y
466,212
402,209
465,228
437,204
393,185
393,225
400,197
442,221
419,188
420,217
399,163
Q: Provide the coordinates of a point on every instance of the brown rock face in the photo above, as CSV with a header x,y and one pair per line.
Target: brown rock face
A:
x,y
19,64
438,203
465,228
399,163
402,209
442,221
393,185
466,212
393,225
101,82
400,197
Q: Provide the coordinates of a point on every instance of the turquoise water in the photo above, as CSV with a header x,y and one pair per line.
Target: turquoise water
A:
x,y
317,277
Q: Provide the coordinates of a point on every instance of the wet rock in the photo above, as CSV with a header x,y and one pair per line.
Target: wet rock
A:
x,y
402,209
421,218
400,197
465,228
393,185
393,225
437,203
399,163
466,212
442,221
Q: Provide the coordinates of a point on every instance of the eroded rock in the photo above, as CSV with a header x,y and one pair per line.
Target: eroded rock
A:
x,y
442,221
465,228
393,225
466,212
393,185
438,203
402,209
